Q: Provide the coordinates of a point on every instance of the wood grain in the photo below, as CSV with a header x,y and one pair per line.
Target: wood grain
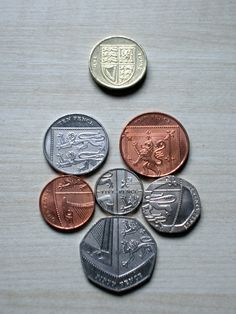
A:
x,y
44,49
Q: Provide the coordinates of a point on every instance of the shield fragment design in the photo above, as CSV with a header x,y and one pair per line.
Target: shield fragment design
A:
x,y
118,63
118,253
77,150
119,191
171,204
155,151
67,202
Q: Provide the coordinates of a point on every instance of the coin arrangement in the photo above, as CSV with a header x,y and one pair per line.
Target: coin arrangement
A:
x,y
118,253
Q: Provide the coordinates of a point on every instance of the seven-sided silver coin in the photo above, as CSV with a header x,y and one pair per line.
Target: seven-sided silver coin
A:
x,y
171,205
119,191
76,144
118,253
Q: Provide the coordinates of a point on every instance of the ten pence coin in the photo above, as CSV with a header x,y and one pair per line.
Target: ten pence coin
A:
x,y
67,202
117,62
154,144
76,144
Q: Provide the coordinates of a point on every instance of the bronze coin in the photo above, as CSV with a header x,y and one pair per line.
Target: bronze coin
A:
x,y
154,144
67,202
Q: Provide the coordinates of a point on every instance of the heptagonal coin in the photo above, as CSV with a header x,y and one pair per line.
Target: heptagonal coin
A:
x,y
171,205
118,254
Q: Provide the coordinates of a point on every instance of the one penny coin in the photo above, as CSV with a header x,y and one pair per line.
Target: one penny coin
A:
x,y
154,144
67,202
117,62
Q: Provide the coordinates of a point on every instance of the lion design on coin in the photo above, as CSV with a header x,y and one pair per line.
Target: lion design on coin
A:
x,y
150,155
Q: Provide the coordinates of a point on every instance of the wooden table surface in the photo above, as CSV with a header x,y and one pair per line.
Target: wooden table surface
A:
x,y
44,49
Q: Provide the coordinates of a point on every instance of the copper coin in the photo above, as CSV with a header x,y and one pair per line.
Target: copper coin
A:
x,y
154,144
67,202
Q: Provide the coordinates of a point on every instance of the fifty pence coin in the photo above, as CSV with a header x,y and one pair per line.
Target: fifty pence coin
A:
x,y
117,62
76,144
154,144
67,202
119,191
118,253
171,205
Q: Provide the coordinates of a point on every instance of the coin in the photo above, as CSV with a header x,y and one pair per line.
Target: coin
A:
x,y
118,253
76,144
171,205
119,191
117,62
67,202
154,144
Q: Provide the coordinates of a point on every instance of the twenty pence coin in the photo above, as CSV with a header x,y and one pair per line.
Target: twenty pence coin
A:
x,y
171,205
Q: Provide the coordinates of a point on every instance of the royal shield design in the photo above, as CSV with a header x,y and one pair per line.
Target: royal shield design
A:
x,y
118,63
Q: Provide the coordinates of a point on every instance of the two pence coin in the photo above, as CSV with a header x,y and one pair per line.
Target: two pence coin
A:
x,y
154,144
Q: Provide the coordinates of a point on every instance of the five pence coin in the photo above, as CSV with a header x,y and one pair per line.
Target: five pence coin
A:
x,y
119,191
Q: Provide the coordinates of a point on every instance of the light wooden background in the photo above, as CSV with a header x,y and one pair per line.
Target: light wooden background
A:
x,y
44,49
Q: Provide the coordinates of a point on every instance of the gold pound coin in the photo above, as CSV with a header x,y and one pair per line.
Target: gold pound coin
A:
x,y
117,62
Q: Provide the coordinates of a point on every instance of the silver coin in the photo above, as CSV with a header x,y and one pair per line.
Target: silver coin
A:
x,y
171,205
117,62
118,253
119,191
76,144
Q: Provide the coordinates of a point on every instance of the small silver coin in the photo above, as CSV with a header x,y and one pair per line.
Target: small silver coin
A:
x,y
119,191
76,144
118,253
171,205
117,62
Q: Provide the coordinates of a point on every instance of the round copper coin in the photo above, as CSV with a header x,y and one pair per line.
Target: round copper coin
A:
x,y
67,202
154,144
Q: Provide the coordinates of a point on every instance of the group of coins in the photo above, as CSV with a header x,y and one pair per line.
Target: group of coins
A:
x,y
118,253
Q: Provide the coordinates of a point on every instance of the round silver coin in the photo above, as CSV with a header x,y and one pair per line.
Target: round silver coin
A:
x,y
117,62
171,204
118,253
76,144
119,191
